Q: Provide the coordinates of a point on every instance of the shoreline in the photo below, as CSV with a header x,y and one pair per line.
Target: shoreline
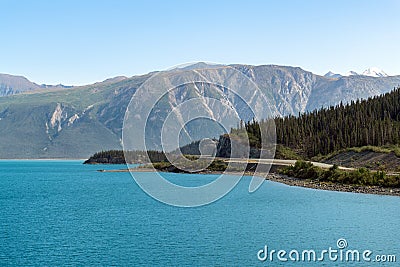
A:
x,y
360,189
305,183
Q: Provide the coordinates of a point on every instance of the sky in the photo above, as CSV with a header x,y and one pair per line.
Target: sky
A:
x,y
81,42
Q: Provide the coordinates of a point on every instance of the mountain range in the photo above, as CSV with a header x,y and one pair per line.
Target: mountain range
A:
x,y
12,84
371,72
40,121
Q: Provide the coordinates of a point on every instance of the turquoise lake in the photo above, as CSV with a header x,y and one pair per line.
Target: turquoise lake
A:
x,y
64,213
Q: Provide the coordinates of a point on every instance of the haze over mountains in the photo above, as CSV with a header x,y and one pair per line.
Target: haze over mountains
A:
x,y
60,122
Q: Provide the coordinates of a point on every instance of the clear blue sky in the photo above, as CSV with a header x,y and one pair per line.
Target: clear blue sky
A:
x,y
80,42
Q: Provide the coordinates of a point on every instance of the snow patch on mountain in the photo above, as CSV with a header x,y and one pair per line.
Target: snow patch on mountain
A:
x,y
374,72
330,74
371,72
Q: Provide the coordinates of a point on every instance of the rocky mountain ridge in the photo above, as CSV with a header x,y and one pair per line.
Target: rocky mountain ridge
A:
x,y
13,84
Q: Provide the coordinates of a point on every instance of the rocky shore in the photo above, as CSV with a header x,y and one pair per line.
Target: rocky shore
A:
x,y
301,182
331,186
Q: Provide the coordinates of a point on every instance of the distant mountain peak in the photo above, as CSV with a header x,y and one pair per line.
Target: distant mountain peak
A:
x,y
371,72
374,72
351,73
330,74
114,79
197,65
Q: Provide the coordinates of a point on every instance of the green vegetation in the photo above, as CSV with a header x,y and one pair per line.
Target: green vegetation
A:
x,y
119,157
383,149
283,152
193,148
194,164
374,122
250,130
362,176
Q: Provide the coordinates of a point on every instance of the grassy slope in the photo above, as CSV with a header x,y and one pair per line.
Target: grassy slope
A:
x,y
385,158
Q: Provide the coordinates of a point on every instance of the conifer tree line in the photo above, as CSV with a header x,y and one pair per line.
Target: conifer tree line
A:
x,y
122,157
374,121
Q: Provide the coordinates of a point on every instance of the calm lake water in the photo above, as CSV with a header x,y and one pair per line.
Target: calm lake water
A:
x,y
57,213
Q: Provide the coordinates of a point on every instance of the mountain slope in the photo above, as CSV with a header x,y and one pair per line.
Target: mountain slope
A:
x,y
11,85
330,74
349,88
53,124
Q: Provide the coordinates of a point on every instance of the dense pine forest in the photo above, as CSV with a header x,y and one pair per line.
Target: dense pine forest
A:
x,y
374,121
119,157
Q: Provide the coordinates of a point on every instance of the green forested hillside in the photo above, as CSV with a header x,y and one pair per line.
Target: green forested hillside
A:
x,y
375,121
